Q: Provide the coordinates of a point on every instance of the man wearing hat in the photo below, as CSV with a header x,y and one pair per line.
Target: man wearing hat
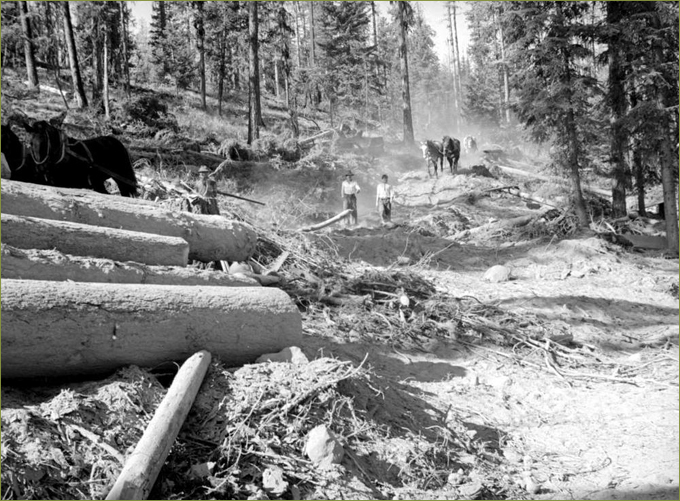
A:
x,y
349,196
206,186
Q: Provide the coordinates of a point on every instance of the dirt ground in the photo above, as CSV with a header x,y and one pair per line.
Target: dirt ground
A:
x,y
561,437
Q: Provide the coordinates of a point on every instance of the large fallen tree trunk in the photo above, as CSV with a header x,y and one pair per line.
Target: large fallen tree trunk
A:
x,y
95,241
54,266
210,238
524,173
71,328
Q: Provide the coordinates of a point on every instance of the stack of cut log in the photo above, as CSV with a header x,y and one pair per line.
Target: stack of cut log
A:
x,y
93,282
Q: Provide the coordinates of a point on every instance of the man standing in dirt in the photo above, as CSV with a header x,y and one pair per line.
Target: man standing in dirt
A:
x,y
206,187
349,192
383,200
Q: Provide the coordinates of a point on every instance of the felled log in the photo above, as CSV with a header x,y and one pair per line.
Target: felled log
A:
x,y
71,328
327,133
524,173
95,241
210,238
144,464
33,264
328,222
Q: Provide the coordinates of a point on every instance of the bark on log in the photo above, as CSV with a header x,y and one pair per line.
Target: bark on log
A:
x,y
144,464
54,266
94,241
328,222
67,328
211,238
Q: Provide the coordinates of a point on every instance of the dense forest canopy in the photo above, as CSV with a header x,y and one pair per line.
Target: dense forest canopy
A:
x,y
598,81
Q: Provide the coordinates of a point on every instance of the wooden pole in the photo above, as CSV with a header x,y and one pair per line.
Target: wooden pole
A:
x,y
328,222
144,464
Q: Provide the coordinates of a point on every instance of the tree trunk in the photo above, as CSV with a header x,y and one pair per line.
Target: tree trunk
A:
x,y
668,157
375,26
297,34
78,89
97,81
255,111
504,69
96,241
617,102
29,52
63,328
638,170
105,90
222,68
200,46
454,68
669,169
312,40
211,238
34,264
123,31
405,90
459,84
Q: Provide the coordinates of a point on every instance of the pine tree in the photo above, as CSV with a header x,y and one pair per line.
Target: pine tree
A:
x,y
553,91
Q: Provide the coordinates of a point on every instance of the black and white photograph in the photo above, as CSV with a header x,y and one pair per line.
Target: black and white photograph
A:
x,y
323,250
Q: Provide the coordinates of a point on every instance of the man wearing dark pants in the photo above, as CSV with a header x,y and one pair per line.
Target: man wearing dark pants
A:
x,y
383,200
349,192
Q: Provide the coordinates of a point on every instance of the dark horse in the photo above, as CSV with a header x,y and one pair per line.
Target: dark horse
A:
x,y
451,151
87,163
19,158
432,153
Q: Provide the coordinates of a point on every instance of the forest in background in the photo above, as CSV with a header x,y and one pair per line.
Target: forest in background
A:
x,y
597,81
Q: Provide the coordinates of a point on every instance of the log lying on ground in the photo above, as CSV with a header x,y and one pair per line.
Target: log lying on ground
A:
x,y
67,328
306,141
54,266
210,238
95,241
328,222
144,464
524,173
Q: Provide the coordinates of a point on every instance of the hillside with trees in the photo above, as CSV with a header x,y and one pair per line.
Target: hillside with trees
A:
x,y
511,332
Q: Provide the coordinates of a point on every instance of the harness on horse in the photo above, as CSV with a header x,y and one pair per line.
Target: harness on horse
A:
x,y
65,145
23,156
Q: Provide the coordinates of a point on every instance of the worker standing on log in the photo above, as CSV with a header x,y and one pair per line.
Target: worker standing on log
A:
x,y
206,187
383,200
349,192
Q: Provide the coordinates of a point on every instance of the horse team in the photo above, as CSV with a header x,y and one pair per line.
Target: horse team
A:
x,y
55,159
435,152
52,158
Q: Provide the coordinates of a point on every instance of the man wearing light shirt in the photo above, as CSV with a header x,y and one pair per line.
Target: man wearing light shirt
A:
x,y
383,200
349,192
